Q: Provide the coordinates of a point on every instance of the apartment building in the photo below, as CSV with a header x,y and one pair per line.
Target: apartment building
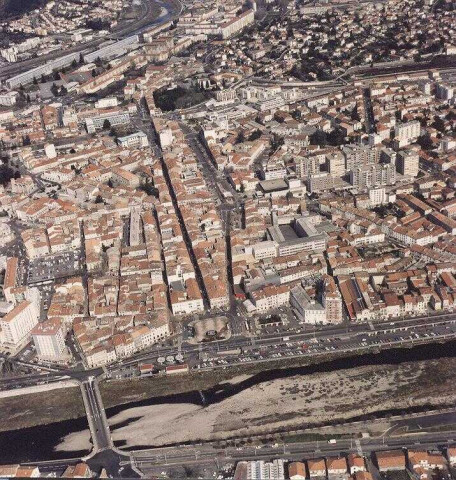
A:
x,y
17,324
49,340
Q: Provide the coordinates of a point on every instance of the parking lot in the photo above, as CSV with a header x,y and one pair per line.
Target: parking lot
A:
x,y
53,267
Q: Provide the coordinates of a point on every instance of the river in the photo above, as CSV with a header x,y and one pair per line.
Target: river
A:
x,y
39,443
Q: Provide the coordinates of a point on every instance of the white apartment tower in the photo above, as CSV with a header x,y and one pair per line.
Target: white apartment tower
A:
x,y
49,340
17,324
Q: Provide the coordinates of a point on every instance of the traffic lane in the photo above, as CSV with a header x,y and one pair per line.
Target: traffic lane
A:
x,y
303,449
359,344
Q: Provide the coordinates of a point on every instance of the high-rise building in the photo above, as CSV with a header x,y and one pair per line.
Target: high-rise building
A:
x,y
407,133
358,155
407,163
261,470
17,324
335,164
332,300
377,196
373,175
49,340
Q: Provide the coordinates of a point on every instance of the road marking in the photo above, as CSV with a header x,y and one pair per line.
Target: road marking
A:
x,y
358,447
371,325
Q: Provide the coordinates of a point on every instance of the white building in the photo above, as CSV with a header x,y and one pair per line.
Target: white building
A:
x,y
16,325
270,297
49,340
377,196
137,139
407,133
8,99
261,470
309,310
407,163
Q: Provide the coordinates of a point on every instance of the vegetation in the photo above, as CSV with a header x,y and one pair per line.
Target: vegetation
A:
x,y
6,174
179,97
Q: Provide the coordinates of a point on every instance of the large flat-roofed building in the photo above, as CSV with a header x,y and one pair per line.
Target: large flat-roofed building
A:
x,y
300,235
116,117
17,324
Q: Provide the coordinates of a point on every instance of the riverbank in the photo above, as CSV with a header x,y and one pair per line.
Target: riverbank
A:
x,y
24,409
282,404
119,392
277,396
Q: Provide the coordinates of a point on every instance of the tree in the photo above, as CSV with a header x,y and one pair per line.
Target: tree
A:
x,y
56,75
74,64
438,124
6,174
81,59
240,137
54,90
276,142
94,73
35,81
255,135
106,125
425,142
98,199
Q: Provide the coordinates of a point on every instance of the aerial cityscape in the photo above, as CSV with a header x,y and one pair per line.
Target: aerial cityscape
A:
x,y
228,239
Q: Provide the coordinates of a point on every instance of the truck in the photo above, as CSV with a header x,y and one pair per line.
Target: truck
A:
x,y
332,441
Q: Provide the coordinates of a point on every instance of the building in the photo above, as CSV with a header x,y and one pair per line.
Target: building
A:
x,y
49,340
261,470
358,155
355,463
368,176
231,27
407,133
407,163
111,118
308,310
138,139
16,325
332,301
300,235
390,460
297,471
377,196
317,468
270,297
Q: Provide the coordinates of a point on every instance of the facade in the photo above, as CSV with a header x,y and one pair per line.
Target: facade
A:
x,y
261,470
407,163
332,301
17,324
49,340
407,133
372,176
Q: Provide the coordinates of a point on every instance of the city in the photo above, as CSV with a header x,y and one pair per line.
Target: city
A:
x,y
228,239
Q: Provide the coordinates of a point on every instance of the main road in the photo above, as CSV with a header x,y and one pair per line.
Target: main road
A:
x,y
289,451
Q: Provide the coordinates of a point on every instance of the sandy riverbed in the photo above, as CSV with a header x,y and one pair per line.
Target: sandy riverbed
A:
x,y
290,402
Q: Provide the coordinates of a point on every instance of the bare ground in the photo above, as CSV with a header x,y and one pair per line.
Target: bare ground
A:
x,y
287,403
40,408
